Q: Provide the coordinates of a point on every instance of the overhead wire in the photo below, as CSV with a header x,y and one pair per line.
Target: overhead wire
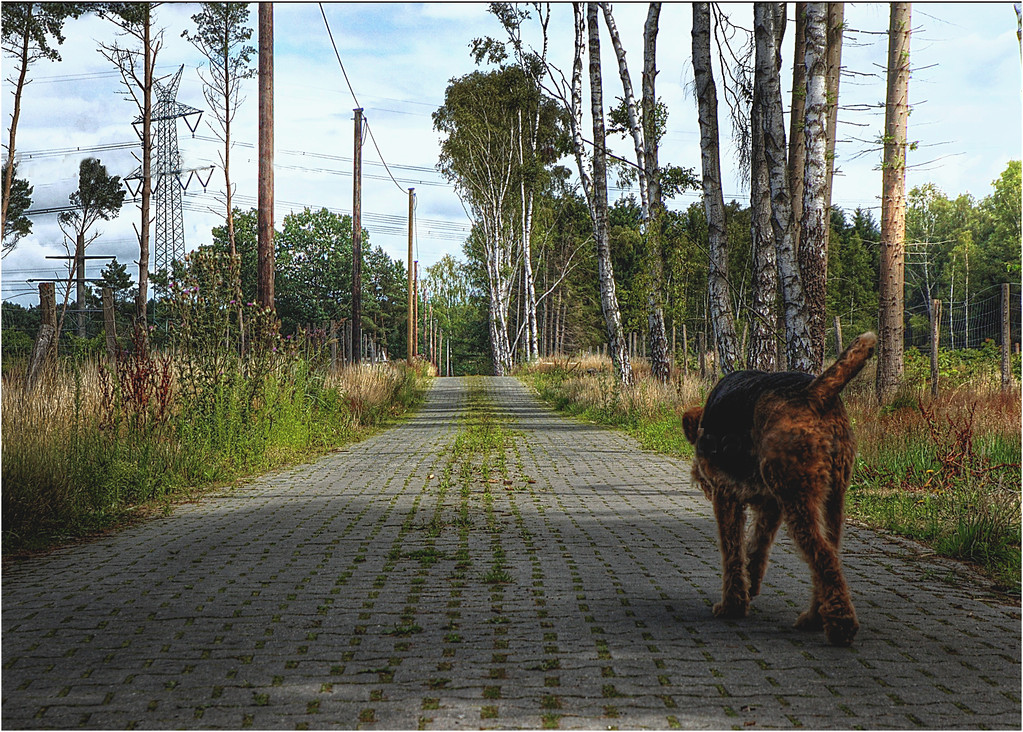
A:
x,y
354,97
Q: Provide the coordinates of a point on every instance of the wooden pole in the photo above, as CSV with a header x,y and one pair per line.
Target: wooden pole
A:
x,y
80,284
415,307
838,335
411,292
265,215
935,335
1006,339
357,240
109,322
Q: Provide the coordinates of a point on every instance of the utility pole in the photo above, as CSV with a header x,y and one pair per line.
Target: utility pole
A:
x,y
265,215
357,243
411,294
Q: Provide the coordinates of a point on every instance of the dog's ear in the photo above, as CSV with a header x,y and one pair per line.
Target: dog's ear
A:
x,y
691,423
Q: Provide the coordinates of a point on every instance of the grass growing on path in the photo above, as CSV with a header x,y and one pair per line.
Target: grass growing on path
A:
x,y
945,472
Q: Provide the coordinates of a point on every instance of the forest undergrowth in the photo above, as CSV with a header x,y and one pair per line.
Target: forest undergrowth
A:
x,y
944,471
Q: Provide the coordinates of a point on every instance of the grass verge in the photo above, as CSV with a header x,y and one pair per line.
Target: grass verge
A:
x,y
945,471
98,445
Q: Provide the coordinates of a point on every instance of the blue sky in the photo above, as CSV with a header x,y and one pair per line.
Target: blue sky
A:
x,y
400,57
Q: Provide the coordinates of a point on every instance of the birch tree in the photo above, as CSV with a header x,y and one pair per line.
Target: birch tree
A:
x,y
713,199
891,295
642,126
497,158
598,197
768,22
813,226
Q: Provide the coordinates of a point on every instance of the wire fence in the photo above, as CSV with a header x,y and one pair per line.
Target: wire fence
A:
x,y
967,324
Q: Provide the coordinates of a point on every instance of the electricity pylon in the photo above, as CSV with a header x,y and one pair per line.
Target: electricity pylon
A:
x,y
168,178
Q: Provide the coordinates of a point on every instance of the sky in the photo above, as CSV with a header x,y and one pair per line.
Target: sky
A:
x,y
965,91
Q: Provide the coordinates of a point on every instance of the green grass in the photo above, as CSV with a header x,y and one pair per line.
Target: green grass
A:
x,y
97,446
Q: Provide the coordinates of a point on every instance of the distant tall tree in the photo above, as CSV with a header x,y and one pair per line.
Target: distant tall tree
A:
x,y
499,163
890,366
28,31
222,38
99,197
713,199
137,68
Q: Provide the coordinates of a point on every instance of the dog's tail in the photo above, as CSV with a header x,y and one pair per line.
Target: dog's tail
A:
x,y
827,386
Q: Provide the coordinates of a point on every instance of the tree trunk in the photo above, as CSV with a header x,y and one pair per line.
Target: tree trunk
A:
x,y
891,295
763,351
605,270
797,115
15,115
149,65
265,213
768,22
713,199
813,252
660,363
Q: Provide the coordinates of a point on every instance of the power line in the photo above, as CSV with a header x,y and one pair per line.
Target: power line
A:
x,y
336,53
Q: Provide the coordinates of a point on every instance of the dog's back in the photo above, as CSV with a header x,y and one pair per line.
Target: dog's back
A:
x,y
723,430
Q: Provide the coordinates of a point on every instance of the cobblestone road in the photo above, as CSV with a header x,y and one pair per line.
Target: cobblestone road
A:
x,y
366,590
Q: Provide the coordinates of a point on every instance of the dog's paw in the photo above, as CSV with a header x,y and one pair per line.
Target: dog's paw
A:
x,y
731,608
809,620
841,630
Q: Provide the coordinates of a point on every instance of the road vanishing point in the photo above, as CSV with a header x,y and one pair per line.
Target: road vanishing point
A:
x,y
568,584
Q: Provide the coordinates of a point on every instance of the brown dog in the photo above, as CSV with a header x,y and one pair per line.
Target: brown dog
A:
x,y
781,444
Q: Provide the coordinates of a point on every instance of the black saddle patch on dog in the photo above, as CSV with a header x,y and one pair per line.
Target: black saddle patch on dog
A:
x,y
727,423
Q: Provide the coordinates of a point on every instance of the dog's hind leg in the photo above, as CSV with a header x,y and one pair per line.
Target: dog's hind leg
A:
x,y
731,519
767,519
831,604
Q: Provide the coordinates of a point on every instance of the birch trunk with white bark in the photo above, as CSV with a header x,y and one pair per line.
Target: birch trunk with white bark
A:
x,y
766,20
598,209
713,199
763,351
813,253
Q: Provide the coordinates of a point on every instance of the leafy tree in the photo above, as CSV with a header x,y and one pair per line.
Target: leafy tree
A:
x,y
501,138
16,223
99,196
1001,245
29,32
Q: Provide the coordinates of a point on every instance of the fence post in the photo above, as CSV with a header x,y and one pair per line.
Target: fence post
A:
x,y
109,322
685,351
1006,340
838,336
333,345
935,335
701,346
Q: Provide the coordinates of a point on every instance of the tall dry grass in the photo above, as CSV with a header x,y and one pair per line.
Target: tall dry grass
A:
x,y
92,441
